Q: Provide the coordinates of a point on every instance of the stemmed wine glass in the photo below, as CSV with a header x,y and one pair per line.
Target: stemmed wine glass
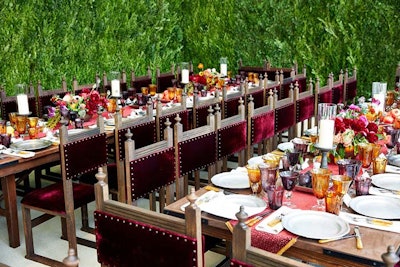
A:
x,y
289,181
293,158
254,174
320,185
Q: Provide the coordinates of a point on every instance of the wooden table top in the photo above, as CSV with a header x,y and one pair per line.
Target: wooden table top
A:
x,y
338,253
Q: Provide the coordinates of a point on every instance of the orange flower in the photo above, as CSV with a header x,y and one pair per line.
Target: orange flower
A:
x,y
200,66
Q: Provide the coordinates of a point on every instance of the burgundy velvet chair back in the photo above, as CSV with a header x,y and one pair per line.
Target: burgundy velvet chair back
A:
x,y
262,126
144,134
302,82
184,115
244,70
201,109
165,80
284,117
197,152
231,139
125,242
141,81
230,107
9,103
350,84
151,172
92,148
285,88
44,97
338,94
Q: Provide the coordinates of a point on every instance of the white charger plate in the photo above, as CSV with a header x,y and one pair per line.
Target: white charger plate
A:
x,y
389,181
231,180
286,146
315,224
227,206
255,160
381,207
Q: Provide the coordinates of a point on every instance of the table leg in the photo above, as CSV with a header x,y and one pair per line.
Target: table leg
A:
x,y
10,199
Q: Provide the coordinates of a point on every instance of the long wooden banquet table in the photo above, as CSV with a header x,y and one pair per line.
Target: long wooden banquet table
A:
x,y
338,253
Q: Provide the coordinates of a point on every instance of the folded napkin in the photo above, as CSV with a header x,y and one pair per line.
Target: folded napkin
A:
x,y
272,224
361,221
18,153
392,169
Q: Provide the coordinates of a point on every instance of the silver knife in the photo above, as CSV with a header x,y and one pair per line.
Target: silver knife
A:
x,y
358,237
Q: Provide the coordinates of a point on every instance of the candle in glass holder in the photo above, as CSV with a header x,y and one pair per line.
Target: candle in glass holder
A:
x,y
185,72
22,102
326,118
115,88
223,66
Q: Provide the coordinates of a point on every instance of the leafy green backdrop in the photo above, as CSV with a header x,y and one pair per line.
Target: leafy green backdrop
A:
x,y
48,39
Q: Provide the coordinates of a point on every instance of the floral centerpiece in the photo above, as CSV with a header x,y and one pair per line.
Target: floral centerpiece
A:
x,y
353,127
82,105
206,79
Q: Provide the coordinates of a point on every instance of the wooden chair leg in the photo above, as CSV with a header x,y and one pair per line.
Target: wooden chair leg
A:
x,y
26,217
153,201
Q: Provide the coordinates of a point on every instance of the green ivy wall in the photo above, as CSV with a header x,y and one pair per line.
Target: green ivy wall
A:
x,y
48,39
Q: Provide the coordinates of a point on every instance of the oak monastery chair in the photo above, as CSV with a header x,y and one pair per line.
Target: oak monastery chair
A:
x,y
323,94
350,86
201,108
285,117
9,103
305,108
150,170
195,150
230,102
260,127
127,235
163,113
44,96
165,80
143,130
141,81
80,153
231,136
245,255
337,89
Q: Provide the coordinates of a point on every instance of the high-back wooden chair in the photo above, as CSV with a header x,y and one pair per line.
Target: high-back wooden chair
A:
x,y
323,94
144,133
80,153
163,113
9,103
231,136
350,86
195,150
230,102
165,80
244,70
258,93
337,89
305,108
107,84
285,117
44,96
260,127
150,170
245,255
131,236
141,81
201,107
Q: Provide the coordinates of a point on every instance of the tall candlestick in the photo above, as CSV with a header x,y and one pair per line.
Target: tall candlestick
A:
x,y
115,88
22,102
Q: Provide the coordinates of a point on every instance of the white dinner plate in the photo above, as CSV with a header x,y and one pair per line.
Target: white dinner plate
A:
x,y
231,180
315,224
286,146
381,207
227,206
389,181
255,160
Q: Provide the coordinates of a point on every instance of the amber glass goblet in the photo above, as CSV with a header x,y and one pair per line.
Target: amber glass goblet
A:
x,y
320,184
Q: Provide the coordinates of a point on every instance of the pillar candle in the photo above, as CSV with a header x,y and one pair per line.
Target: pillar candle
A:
x,y
185,76
115,88
326,132
224,69
22,102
